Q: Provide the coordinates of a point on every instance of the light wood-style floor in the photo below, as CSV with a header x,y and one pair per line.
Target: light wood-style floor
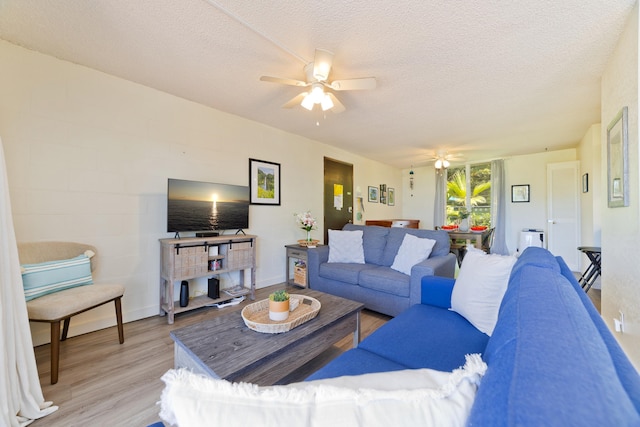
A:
x,y
103,383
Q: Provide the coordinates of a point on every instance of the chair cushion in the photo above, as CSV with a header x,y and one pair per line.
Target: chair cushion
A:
x,y
65,303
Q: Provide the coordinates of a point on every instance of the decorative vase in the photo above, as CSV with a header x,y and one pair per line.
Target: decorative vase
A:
x,y
309,236
464,225
278,310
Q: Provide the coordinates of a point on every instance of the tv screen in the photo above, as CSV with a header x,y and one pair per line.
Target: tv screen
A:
x,y
204,206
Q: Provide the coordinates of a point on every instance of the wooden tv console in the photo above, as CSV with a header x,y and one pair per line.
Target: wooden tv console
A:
x,y
190,258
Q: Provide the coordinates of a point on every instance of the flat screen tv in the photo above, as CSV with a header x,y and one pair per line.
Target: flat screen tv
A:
x,y
206,206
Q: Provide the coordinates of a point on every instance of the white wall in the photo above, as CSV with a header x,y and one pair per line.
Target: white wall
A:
x,y
590,202
531,170
621,226
88,157
418,203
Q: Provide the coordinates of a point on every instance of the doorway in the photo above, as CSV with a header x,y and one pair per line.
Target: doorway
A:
x,y
563,212
338,195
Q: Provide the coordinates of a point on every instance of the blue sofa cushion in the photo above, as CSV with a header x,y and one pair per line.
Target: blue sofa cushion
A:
x,y
440,344
343,272
355,362
627,374
396,236
374,239
437,291
384,279
544,349
537,257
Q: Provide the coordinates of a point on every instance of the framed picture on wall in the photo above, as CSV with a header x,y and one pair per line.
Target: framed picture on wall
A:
x,y
264,182
520,193
391,197
373,194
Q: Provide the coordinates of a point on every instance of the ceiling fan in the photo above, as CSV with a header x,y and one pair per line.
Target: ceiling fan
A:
x,y
442,159
319,89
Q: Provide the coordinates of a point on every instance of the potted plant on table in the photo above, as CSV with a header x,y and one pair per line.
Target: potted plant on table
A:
x,y
463,214
279,305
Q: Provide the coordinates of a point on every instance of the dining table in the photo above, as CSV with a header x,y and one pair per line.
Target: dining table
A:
x,y
469,236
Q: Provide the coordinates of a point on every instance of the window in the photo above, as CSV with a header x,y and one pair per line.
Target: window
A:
x,y
472,193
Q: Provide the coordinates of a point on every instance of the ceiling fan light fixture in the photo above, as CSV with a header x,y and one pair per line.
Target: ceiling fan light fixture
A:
x,y
307,101
326,103
317,93
438,164
322,64
445,163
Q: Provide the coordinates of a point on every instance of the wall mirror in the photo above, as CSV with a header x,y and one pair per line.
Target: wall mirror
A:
x,y
618,160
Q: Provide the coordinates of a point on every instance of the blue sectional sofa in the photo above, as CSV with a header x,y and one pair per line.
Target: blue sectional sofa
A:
x,y
374,283
551,358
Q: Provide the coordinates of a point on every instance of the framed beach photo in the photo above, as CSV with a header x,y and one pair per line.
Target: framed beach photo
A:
x,y
373,194
264,182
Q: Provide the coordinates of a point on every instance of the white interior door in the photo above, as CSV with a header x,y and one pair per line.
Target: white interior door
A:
x,y
563,211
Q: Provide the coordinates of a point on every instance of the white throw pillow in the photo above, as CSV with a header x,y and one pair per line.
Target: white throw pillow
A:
x,y
346,246
480,286
412,251
445,399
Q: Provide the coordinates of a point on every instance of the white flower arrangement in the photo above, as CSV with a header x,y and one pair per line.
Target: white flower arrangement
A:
x,y
306,221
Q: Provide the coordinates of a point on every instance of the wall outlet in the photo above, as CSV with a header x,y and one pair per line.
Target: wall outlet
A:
x,y
619,323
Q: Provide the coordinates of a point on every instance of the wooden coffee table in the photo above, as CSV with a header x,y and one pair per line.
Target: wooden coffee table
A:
x,y
223,347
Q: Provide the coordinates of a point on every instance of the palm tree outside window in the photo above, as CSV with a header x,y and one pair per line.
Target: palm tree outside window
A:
x,y
469,189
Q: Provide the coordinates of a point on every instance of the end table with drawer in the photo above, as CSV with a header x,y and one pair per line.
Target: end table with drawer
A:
x,y
297,263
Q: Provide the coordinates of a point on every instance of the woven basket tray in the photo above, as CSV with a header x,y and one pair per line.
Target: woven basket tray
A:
x,y
256,315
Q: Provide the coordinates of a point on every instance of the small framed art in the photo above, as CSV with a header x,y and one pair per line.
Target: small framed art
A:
x,y
373,194
264,182
391,197
520,193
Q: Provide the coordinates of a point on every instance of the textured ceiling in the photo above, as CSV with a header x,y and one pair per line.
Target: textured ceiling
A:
x,y
479,79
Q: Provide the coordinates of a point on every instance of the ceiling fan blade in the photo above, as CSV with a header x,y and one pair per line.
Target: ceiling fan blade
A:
x,y
322,64
296,100
365,83
283,81
338,107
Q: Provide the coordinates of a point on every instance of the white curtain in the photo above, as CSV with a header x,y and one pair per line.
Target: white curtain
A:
x,y
439,204
21,399
498,208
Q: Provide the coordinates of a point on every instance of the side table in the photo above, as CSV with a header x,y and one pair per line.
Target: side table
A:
x,y
297,262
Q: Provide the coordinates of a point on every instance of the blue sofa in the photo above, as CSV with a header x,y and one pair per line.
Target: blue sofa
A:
x,y
374,283
551,358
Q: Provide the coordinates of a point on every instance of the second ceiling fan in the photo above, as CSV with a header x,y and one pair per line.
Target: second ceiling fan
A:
x,y
320,90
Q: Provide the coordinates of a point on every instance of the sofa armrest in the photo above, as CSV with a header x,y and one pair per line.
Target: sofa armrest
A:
x,y
437,291
443,266
315,257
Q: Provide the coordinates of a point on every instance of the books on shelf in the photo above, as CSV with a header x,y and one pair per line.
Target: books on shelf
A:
x,y
236,291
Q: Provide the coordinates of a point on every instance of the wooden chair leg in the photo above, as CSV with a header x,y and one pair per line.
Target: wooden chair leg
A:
x,y
55,351
65,328
118,304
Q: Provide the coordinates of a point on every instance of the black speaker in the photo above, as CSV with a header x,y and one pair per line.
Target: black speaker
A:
x,y
184,294
214,288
